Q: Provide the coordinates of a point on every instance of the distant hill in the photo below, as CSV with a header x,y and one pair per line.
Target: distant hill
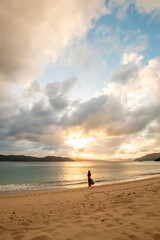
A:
x,y
22,158
157,159
149,157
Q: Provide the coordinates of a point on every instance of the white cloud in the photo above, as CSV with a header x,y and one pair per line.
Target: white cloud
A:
x,y
148,5
131,58
122,6
35,32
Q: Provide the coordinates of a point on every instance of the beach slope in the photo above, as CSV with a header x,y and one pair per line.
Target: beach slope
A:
x,y
119,211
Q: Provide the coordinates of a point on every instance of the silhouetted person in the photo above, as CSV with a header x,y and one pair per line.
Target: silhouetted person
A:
x,y
90,181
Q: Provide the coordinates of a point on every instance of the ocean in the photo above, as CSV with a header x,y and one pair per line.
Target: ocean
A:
x,y
27,176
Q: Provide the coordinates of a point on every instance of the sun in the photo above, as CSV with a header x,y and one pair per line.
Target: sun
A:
x,y
78,141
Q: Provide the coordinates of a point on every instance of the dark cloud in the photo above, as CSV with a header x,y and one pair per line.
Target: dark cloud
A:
x,y
29,121
125,73
58,93
88,113
109,115
103,112
40,121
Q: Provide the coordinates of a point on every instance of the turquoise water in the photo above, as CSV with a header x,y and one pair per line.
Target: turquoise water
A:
x,y
18,176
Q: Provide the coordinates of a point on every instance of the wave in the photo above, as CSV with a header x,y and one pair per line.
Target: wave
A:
x,y
65,184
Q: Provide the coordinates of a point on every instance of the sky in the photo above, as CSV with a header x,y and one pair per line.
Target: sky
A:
x,y
80,78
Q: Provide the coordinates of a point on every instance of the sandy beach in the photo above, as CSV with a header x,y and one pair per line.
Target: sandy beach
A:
x,y
120,211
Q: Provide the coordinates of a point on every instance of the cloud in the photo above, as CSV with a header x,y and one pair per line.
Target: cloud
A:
x,y
122,6
105,146
57,93
40,116
130,102
124,73
148,5
127,109
82,55
43,112
35,32
131,58
87,111
143,6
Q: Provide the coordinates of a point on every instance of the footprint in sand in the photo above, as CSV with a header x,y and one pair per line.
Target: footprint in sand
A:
x,y
90,225
130,236
19,237
41,237
127,214
110,225
78,221
14,233
156,236
49,230
103,220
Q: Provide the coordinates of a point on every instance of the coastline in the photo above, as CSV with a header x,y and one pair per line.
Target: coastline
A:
x,y
41,176
77,186
124,210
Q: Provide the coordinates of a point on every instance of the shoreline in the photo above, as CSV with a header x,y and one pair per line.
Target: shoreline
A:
x,y
76,189
77,186
119,211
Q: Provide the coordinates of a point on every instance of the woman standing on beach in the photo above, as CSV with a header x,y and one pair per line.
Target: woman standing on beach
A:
x,y
90,181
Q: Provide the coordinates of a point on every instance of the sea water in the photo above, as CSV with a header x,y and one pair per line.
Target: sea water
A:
x,y
22,176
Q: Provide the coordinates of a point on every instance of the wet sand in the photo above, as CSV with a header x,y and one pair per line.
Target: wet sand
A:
x,y
120,211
